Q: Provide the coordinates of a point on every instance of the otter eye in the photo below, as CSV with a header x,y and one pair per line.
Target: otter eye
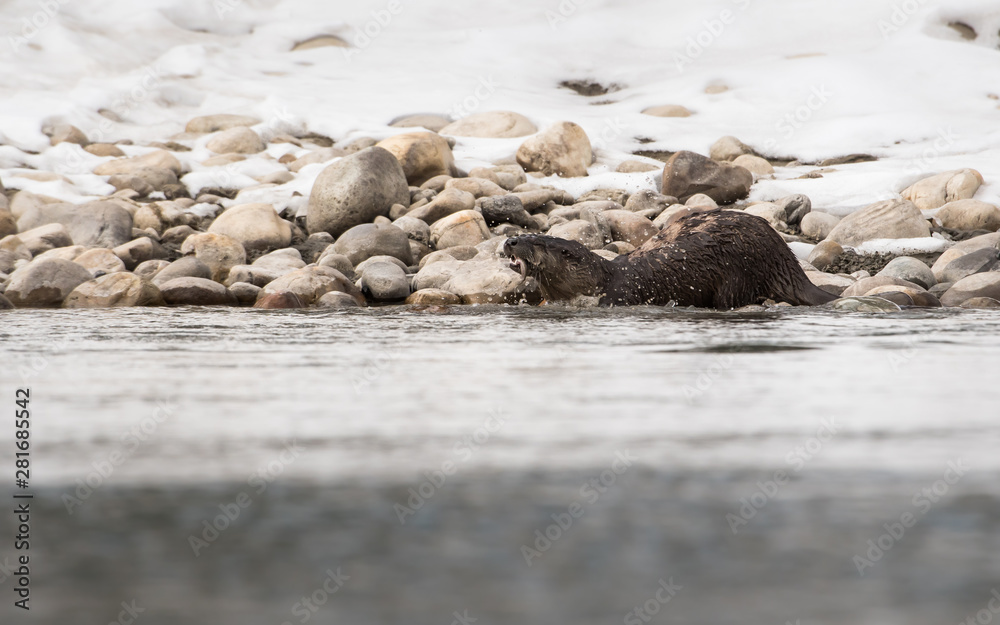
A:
x,y
565,253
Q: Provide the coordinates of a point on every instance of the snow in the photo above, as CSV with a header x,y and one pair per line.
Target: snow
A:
x,y
806,79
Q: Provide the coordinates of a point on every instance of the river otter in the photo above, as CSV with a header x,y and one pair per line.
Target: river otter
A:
x,y
711,259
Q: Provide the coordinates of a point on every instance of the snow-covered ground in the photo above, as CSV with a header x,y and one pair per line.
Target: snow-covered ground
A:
x,y
807,79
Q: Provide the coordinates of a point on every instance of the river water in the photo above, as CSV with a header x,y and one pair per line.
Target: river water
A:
x,y
511,465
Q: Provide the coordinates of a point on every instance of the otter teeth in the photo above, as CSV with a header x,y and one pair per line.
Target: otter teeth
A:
x,y
519,266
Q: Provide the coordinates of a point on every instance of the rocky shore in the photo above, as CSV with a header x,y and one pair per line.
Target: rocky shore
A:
x,y
396,221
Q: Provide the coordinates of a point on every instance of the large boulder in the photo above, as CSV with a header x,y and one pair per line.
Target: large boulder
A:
x,y
362,242
909,269
434,275
114,290
491,281
311,283
257,226
462,228
355,190
100,259
184,267
94,224
818,225
384,281
889,219
138,251
581,231
218,251
940,189
505,209
196,292
686,174
969,215
45,282
728,148
432,297
491,124
985,259
562,149
985,284
422,155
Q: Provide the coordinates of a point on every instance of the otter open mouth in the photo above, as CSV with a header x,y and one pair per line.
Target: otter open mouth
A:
x,y
519,266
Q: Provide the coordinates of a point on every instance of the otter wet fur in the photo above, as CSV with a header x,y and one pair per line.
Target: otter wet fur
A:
x,y
711,259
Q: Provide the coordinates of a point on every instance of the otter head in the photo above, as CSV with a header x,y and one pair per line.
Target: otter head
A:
x,y
564,269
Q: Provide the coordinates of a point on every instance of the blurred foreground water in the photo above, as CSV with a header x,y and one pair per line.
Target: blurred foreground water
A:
x,y
511,465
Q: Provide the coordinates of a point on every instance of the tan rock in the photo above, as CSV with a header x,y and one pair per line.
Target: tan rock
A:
x,y
969,215
100,259
256,226
310,283
220,252
562,149
448,202
667,110
423,155
890,219
117,289
938,190
491,124
156,159
432,297
462,228
215,123
754,164
239,140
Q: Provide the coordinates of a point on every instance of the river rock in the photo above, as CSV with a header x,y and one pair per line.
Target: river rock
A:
x,y
491,124
118,289
969,215
796,207
139,250
67,133
367,240
161,217
422,155
236,140
196,292
415,229
831,283
177,235
944,260
281,261
986,284
648,200
432,297
309,283
915,297
45,282
861,304
148,269
864,285
44,238
100,259
505,209
94,224
279,300
435,274
667,110
824,254
5,304
581,231
321,155
214,123
448,202
384,282
70,252
462,228
773,214
629,227
336,299
339,262
355,190
889,219
156,159
754,164
257,226
938,190
490,281
246,293
562,149
478,187
980,302
144,180
218,251
257,276
818,225
728,148
986,259
430,121
687,173
8,224
909,269
185,267
103,149
979,242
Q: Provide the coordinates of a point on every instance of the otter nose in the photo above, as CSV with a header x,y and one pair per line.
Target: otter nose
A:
x,y
511,242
